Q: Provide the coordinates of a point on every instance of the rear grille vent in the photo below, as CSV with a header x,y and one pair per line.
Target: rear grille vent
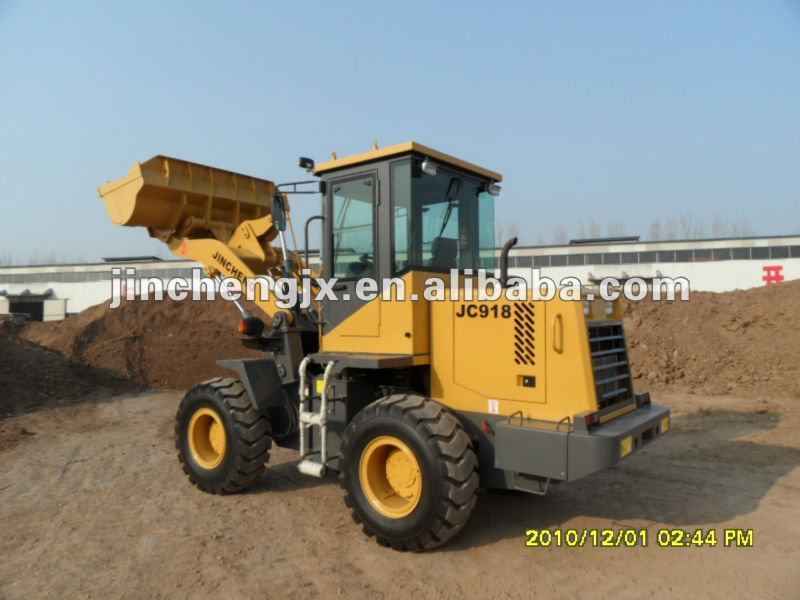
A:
x,y
524,333
612,374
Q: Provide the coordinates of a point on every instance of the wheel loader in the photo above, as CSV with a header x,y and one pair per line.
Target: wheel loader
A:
x,y
415,403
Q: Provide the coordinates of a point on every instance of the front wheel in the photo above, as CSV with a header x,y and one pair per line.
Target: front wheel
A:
x,y
223,441
409,472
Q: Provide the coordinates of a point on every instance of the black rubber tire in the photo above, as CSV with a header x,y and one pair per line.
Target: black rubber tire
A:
x,y
247,431
447,460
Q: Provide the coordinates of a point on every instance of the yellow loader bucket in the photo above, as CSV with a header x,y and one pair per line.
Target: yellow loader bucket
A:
x,y
216,217
169,196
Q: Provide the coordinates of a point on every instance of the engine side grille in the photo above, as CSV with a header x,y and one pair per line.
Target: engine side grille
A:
x,y
524,341
612,373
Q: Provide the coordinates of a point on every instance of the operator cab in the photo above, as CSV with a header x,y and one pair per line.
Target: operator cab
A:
x,y
406,208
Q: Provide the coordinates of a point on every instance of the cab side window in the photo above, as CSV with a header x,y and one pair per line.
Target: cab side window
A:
x,y
353,224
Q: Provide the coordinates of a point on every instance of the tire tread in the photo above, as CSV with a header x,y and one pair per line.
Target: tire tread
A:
x,y
453,452
251,429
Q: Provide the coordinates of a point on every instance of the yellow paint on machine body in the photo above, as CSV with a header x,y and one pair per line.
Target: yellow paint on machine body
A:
x,y
505,357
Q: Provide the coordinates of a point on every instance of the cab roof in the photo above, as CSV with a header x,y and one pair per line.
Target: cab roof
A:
x,y
404,148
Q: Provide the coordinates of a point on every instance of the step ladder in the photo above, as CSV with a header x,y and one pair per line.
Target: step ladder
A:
x,y
308,419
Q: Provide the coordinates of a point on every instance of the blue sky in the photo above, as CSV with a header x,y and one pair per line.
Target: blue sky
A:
x,y
608,111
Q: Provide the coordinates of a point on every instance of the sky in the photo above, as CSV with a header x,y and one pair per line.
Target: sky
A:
x,y
614,113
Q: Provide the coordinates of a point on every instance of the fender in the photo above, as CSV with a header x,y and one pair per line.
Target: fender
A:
x,y
261,380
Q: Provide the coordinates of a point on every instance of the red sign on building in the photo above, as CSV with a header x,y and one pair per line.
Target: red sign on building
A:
x,y
773,274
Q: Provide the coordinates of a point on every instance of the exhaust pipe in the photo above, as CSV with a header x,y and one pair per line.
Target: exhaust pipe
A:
x,y
504,260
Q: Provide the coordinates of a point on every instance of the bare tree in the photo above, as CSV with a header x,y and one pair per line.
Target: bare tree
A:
x,y
719,226
595,231
48,258
582,232
499,231
513,230
671,229
560,236
615,229
656,230
690,229
686,226
741,228
541,240
699,231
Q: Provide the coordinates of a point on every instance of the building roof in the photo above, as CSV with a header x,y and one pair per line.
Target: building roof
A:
x,y
125,259
586,244
404,148
166,263
626,239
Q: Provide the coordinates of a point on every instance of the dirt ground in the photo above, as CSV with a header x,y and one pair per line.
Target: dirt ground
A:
x,y
93,504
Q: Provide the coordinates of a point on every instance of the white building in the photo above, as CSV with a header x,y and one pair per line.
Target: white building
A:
x,y
710,265
51,292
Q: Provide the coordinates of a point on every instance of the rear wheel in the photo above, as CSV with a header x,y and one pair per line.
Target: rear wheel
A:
x,y
223,442
409,472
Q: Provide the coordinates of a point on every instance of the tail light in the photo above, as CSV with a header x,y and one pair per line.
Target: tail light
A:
x,y
252,326
591,419
642,399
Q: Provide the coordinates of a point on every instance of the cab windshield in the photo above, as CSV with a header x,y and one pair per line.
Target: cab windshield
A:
x,y
441,222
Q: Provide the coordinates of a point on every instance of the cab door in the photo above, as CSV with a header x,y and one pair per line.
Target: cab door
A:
x,y
351,233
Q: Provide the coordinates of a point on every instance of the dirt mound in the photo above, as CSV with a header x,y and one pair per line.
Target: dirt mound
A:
x,y
737,342
170,345
32,376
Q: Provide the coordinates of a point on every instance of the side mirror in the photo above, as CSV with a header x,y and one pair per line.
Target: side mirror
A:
x,y
279,212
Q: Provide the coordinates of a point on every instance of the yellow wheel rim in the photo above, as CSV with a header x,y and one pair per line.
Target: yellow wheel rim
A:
x,y
207,439
390,477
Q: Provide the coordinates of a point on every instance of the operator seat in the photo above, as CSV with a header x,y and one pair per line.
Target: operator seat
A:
x,y
358,269
444,253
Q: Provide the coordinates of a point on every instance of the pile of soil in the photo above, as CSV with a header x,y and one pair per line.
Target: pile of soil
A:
x,y
168,345
32,376
744,342
737,342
